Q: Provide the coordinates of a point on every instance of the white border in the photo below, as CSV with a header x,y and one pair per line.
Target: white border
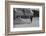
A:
x,y
27,28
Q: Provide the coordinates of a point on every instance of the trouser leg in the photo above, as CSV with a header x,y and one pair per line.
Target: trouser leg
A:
x,y
31,17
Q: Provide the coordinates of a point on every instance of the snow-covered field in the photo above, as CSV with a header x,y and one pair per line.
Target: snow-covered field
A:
x,y
26,22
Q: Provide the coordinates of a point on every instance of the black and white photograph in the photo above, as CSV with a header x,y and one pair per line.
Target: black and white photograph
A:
x,y
25,17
